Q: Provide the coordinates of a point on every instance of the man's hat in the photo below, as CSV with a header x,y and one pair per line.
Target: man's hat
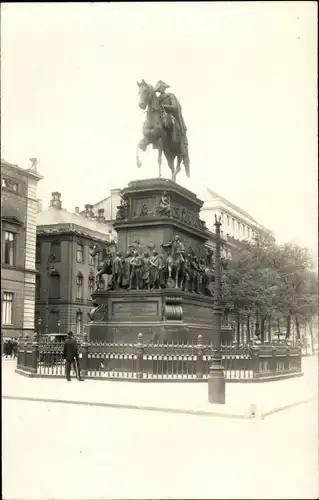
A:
x,y
160,84
70,334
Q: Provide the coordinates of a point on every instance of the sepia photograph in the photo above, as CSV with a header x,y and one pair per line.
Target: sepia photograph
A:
x,y
159,244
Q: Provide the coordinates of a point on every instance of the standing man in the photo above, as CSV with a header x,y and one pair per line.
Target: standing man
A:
x,y
71,356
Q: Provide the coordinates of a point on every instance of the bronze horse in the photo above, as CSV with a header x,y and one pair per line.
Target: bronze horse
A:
x,y
106,265
176,267
155,133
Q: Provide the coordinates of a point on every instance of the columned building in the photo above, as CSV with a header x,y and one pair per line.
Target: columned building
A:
x,y
65,267
18,241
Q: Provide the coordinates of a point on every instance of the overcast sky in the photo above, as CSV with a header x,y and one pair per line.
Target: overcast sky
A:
x,y
244,72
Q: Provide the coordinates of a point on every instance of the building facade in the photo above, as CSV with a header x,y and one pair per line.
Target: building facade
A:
x,y
18,240
65,268
237,223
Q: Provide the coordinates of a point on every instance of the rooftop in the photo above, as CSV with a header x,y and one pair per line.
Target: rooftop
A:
x,y
31,172
55,215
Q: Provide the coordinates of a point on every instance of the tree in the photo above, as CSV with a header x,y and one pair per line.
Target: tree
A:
x,y
265,281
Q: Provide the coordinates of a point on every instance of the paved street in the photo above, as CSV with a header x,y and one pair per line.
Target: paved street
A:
x,y
59,451
67,451
191,397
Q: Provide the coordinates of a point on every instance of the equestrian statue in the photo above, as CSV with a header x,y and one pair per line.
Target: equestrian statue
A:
x,y
164,127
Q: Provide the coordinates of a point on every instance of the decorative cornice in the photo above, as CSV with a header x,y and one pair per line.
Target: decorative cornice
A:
x,y
11,219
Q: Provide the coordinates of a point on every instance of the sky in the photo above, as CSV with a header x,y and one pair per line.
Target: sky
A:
x,y
245,74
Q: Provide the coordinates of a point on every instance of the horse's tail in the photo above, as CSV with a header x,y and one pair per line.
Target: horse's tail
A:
x,y
186,163
138,161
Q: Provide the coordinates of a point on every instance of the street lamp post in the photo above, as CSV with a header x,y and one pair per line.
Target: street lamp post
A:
x,y
50,269
216,377
59,324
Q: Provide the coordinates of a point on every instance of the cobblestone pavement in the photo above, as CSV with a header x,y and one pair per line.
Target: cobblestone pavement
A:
x,y
61,451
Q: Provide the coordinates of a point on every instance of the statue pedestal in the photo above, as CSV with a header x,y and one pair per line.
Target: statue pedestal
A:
x,y
144,222
160,315
167,314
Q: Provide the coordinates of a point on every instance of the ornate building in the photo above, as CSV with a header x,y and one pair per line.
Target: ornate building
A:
x,y
65,267
18,241
238,225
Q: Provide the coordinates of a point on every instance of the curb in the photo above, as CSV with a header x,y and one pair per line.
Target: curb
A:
x,y
254,412
135,407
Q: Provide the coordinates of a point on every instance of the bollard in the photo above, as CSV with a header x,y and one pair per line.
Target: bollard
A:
x,y
256,413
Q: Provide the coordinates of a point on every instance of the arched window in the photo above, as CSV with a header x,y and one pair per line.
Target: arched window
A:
x,y
91,285
55,285
79,286
79,322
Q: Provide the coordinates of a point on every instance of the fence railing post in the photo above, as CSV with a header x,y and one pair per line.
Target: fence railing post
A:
x,y
274,361
85,356
35,354
199,357
255,351
139,356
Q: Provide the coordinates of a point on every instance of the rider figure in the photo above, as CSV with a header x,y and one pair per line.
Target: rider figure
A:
x,y
173,119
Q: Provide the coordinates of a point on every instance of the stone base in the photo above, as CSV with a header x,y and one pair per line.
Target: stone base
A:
x,y
169,315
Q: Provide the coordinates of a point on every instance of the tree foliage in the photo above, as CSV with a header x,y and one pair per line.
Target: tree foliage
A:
x,y
265,280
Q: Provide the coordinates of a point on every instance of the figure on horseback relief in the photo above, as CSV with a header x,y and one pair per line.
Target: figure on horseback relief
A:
x,y
105,266
164,127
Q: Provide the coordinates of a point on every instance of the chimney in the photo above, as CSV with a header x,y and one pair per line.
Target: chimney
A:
x,y
77,210
88,210
100,215
56,200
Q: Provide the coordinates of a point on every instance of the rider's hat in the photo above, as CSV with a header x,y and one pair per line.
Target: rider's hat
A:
x,y
160,84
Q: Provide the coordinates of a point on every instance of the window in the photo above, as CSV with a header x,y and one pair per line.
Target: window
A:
x,y
55,286
91,258
79,286
91,285
79,322
7,301
248,231
38,252
54,319
56,250
9,248
11,185
244,229
80,253
38,286
238,226
233,221
228,220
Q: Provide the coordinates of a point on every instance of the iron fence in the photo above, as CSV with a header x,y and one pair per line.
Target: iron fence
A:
x,y
163,361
